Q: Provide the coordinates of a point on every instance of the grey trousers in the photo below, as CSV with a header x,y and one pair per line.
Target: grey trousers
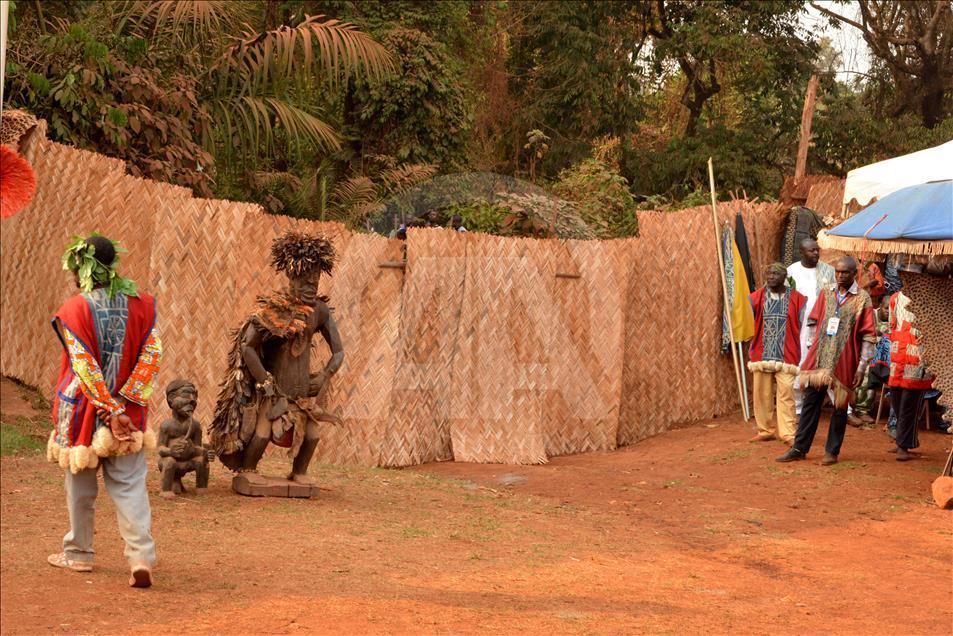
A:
x,y
125,479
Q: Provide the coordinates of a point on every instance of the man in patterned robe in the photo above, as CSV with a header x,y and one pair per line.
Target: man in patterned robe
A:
x,y
111,354
843,339
774,354
909,380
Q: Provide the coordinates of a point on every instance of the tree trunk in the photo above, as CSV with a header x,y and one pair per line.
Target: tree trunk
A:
x,y
931,98
697,92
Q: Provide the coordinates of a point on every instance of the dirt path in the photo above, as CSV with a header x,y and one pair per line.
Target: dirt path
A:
x,y
694,530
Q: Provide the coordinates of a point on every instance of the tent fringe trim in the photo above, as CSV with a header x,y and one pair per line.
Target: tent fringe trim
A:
x,y
900,246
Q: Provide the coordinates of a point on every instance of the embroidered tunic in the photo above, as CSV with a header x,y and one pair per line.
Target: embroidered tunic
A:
x,y
110,347
776,345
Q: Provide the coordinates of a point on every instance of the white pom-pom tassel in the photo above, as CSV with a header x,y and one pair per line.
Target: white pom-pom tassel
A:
x,y
103,441
149,439
79,458
63,458
52,448
93,459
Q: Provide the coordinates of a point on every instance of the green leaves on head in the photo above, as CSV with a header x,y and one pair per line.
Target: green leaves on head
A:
x,y
80,258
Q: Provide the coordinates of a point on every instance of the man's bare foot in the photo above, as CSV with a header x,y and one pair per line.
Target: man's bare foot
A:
x,y
301,479
167,494
762,437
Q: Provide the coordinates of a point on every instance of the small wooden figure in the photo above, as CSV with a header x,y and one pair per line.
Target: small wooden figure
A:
x,y
180,441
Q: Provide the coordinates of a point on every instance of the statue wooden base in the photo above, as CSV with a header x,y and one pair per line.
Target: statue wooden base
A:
x,y
261,486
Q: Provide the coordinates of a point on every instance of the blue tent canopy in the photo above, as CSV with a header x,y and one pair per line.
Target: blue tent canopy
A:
x,y
918,213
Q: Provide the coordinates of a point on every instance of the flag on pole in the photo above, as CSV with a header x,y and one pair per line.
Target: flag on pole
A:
x,y
739,310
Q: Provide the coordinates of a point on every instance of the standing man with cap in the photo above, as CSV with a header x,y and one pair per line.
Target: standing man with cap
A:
x,y
774,354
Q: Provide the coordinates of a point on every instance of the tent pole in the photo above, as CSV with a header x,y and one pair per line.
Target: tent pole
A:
x,y
724,290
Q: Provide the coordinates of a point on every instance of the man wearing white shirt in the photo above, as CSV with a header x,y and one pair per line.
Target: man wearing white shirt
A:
x,y
810,277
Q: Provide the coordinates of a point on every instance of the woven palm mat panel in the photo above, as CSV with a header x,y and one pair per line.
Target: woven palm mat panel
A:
x,y
796,192
581,411
672,369
932,298
366,300
501,364
77,192
827,198
422,399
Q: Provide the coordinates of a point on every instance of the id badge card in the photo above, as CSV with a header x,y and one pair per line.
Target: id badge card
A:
x,y
832,325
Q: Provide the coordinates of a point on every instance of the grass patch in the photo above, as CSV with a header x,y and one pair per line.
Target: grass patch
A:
x,y
672,483
840,467
731,456
15,442
413,532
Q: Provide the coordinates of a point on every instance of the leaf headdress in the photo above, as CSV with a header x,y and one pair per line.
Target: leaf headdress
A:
x,y
80,258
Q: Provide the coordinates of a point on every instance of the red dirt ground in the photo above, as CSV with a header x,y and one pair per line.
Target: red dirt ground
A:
x,y
694,530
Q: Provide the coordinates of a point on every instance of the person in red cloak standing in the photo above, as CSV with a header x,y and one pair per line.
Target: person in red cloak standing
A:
x,y
111,355
842,343
774,354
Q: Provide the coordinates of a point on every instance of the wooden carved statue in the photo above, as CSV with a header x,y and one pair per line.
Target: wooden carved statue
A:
x,y
180,441
268,394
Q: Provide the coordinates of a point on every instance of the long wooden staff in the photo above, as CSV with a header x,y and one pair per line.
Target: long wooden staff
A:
x,y
724,288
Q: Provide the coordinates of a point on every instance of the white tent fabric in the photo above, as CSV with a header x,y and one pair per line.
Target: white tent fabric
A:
x,y
880,179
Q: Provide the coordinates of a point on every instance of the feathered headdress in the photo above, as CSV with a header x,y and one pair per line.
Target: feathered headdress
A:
x,y
297,254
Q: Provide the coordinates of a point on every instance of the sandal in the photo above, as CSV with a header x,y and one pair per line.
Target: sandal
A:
x,y
62,561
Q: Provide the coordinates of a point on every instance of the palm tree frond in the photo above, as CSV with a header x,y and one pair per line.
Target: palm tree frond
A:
x,y
331,48
403,177
353,192
194,21
250,121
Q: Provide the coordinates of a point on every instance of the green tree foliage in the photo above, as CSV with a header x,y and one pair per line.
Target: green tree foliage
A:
x,y
601,195
194,73
325,108
420,113
106,93
849,132
574,72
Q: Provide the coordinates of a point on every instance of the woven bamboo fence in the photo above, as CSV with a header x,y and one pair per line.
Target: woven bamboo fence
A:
x,y
476,348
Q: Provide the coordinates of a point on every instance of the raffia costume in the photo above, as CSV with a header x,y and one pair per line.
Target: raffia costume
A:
x,y
281,320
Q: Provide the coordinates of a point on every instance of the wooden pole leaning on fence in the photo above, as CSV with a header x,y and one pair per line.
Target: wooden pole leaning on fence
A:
x,y
807,117
743,398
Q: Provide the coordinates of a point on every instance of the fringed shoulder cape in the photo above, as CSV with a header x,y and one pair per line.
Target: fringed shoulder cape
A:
x,y
832,360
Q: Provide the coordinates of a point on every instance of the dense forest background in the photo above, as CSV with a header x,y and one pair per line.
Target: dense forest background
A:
x,y
324,109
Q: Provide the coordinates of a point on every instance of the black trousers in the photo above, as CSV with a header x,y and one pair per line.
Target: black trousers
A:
x,y
906,404
811,414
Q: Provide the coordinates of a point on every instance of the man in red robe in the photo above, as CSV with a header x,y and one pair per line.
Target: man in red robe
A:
x,y
775,353
111,354
843,342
